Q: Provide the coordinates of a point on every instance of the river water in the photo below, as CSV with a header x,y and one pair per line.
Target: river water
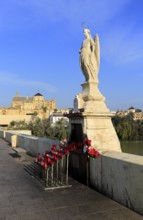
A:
x,y
132,147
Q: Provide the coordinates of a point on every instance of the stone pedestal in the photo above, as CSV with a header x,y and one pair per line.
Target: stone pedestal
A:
x,y
99,129
94,101
94,119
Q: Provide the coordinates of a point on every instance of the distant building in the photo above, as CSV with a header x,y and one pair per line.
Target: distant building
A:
x,y
131,109
137,115
26,108
121,113
60,114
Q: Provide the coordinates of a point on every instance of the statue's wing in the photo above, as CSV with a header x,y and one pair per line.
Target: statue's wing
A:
x,y
97,50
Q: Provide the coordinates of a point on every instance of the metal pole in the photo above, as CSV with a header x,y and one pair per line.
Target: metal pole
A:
x,y
67,167
57,172
52,175
47,175
87,172
62,170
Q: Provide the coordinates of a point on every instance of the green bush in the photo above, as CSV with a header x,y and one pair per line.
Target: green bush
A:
x,y
43,128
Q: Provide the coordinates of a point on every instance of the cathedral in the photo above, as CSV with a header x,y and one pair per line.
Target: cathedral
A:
x,y
26,108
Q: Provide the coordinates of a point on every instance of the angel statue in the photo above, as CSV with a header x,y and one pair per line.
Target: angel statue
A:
x,y
90,57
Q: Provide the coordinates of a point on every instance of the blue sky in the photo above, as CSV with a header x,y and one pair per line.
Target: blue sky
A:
x,y
40,42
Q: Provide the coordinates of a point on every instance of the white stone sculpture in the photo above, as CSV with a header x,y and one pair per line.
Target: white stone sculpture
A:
x,y
90,57
93,115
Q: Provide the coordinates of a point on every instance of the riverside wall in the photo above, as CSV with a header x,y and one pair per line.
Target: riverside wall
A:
x,y
33,145
115,174
120,177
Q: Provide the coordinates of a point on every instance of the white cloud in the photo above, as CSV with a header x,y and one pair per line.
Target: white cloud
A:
x,y
121,45
14,80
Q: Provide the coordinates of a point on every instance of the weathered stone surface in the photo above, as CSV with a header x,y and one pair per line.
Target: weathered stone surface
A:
x,y
120,176
99,128
78,102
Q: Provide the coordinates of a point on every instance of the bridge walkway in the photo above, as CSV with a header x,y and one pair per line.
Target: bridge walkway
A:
x,y
22,198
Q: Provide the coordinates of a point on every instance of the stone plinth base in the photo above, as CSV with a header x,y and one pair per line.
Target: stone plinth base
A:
x,y
91,117
93,100
98,127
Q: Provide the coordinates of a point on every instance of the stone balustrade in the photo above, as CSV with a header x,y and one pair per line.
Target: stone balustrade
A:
x,y
120,177
33,145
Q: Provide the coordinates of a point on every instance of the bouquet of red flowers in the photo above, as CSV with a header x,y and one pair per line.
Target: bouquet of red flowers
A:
x,y
92,152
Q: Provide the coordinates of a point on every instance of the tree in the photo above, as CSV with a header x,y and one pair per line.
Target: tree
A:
x,y
43,128
12,124
35,113
140,129
138,110
126,127
37,127
55,110
44,109
18,125
59,130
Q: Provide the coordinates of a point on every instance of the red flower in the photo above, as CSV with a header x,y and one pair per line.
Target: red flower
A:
x,y
70,146
92,152
88,142
67,152
45,164
55,158
39,159
60,155
97,154
49,161
74,147
46,152
54,147
61,147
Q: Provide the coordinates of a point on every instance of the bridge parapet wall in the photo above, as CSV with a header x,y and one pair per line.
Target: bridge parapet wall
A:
x,y
33,145
120,177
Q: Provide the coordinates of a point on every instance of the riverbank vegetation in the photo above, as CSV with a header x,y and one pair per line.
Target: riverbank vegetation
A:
x,y
127,128
43,128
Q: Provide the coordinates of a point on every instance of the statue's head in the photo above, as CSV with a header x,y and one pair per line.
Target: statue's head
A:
x,y
86,32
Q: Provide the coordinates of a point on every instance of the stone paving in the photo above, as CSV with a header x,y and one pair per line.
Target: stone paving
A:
x,y
21,198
